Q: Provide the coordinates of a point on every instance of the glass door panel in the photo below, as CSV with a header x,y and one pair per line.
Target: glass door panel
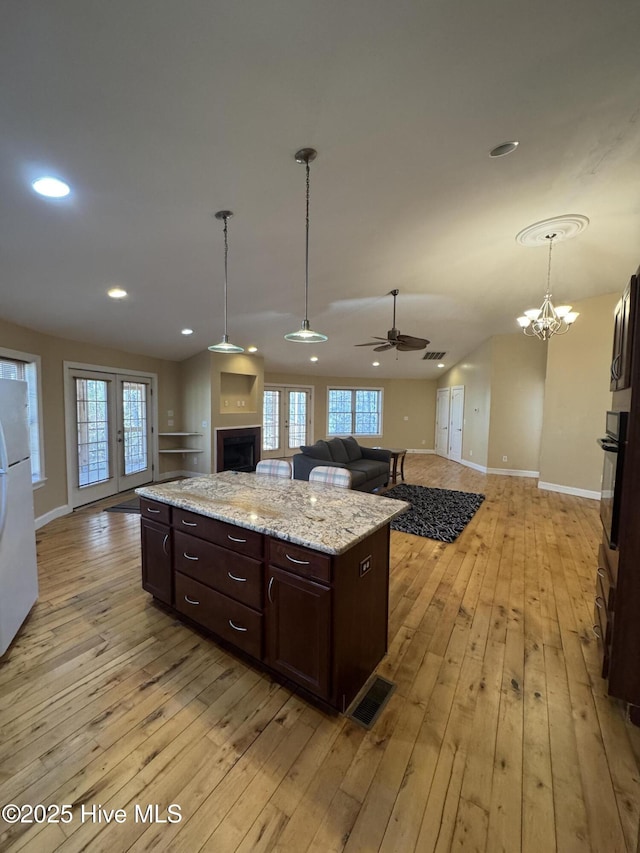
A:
x,y
134,433
297,421
271,439
92,421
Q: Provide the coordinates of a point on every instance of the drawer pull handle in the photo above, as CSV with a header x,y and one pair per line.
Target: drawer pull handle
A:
x,y
234,578
236,628
269,589
155,511
599,602
189,523
190,600
298,562
596,631
164,543
601,572
233,539
188,556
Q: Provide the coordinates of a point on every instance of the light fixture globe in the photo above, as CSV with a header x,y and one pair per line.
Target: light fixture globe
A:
x,y
305,335
225,346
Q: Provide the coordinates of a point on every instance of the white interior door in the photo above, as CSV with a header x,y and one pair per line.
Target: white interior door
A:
x,y
286,421
442,422
456,422
109,446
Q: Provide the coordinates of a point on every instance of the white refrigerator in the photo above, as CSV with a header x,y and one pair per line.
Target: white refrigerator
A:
x,y
18,566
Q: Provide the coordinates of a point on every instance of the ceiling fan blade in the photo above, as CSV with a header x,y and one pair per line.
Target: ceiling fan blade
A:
x,y
405,348
414,343
370,344
383,347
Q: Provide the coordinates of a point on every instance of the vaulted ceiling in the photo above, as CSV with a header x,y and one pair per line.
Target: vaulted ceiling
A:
x,y
160,112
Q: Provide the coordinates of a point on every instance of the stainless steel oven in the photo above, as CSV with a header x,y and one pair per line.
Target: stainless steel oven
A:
x,y
613,445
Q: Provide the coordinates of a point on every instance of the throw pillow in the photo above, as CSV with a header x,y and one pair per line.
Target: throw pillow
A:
x,y
338,450
319,450
353,448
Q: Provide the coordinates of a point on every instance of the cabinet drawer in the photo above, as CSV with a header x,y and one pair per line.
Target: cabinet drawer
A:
x,y
302,561
223,570
606,577
155,510
229,619
239,539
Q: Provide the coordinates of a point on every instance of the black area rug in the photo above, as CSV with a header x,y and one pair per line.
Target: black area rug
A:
x,y
440,514
132,505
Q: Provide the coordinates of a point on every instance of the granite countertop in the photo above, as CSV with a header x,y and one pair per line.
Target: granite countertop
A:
x,y
326,518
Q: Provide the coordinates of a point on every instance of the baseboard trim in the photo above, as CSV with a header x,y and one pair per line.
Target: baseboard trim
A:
x,y
569,490
58,512
422,450
473,465
513,472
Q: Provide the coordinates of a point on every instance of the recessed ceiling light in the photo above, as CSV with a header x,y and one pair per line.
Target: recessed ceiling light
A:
x,y
503,149
375,363
252,349
186,331
313,358
51,187
116,292
441,364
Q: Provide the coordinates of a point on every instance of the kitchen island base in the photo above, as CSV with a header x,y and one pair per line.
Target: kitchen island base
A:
x,y
315,621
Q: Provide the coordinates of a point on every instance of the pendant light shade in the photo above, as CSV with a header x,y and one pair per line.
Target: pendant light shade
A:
x,y
225,346
305,335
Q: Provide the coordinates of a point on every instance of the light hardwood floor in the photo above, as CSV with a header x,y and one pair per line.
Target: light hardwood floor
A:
x,y
499,737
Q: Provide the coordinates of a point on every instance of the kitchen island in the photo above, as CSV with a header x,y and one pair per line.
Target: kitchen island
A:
x,y
291,574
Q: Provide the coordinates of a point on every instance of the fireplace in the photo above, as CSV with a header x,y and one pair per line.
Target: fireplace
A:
x,y
238,449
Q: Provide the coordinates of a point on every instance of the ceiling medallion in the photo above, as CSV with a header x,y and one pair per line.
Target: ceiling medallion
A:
x,y
562,227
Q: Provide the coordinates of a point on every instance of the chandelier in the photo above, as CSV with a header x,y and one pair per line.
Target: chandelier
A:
x,y
546,321
225,346
305,335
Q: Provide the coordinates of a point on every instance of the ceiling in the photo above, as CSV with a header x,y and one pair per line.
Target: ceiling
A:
x,y
160,112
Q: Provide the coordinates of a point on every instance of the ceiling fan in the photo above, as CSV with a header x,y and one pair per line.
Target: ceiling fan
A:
x,y
394,340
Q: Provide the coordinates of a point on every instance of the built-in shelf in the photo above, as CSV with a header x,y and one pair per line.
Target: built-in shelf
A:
x,y
182,450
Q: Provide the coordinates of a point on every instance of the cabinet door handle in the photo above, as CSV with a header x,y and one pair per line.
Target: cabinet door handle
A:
x,y
190,600
189,523
596,631
234,578
152,510
601,572
233,539
298,562
164,543
269,589
599,602
188,556
236,628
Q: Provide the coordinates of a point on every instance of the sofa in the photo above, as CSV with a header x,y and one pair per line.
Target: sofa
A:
x,y
369,467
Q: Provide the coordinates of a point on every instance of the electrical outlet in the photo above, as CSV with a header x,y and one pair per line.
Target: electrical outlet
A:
x,y
504,458
226,402
471,453
424,440
406,418
170,413
170,422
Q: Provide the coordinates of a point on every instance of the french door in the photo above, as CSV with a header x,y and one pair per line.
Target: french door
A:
x,y
286,421
109,447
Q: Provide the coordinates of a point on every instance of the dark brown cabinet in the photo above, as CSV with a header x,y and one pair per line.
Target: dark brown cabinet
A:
x,y
298,628
157,573
622,339
316,620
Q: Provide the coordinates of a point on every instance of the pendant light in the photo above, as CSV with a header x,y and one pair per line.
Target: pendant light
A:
x,y
224,345
546,321
305,335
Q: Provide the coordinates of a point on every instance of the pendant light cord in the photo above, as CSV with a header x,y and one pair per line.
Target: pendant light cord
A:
x,y
226,255
306,252
550,237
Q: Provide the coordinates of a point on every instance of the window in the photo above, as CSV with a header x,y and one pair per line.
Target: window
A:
x,y
354,411
19,365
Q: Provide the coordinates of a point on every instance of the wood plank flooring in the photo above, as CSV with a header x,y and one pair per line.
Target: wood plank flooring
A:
x,y
500,735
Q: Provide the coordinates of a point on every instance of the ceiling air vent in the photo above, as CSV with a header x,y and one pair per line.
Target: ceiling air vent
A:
x,y
433,356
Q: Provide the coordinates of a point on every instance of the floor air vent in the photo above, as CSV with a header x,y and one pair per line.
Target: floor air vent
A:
x,y
368,705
